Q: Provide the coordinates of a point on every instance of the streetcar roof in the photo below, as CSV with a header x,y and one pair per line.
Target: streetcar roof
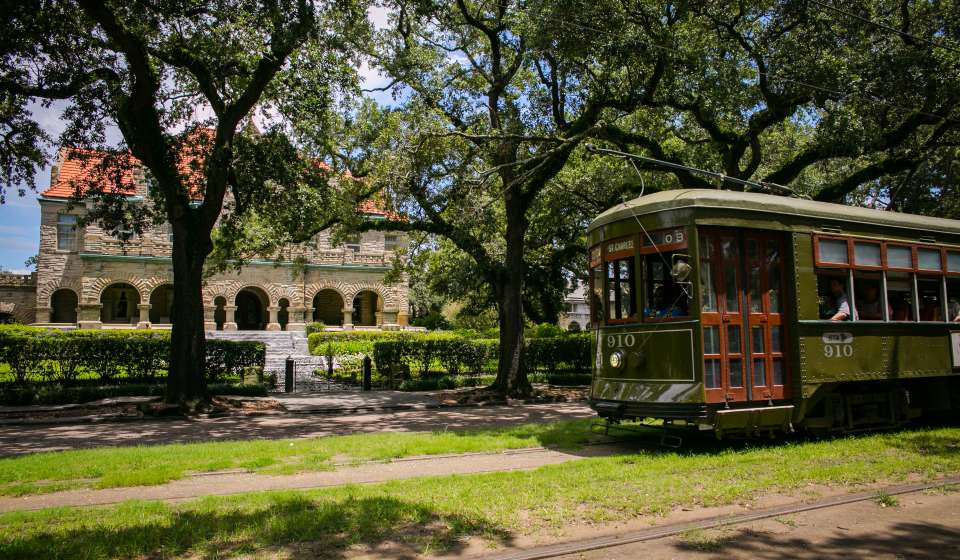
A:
x,y
769,204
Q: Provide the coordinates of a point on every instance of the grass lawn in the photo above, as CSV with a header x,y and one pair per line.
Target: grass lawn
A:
x,y
435,514
109,467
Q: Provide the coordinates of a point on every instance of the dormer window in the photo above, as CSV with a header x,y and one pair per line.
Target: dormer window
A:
x,y
66,232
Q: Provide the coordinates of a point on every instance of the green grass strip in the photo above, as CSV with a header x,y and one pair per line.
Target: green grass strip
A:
x,y
111,467
434,514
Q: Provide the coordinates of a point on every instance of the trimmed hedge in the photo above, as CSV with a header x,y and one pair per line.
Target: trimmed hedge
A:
x,y
569,353
66,357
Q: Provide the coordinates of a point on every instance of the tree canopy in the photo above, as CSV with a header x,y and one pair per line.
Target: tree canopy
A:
x,y
180,81
495,100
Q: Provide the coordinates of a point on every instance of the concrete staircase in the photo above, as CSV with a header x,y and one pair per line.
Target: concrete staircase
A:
x,y
280,345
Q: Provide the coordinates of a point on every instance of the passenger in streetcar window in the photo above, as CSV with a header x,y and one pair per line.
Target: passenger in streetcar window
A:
x,y
929,291
953,308
869,305
834,304
900,296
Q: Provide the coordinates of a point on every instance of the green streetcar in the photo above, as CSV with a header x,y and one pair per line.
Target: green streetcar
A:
x,y
747,313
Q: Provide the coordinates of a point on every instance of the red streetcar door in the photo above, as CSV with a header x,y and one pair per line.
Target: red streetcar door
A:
x,y
764,301
741,279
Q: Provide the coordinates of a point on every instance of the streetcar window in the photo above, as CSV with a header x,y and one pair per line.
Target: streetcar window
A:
x,y
621,300
709,292
900,296
866,254
832,296
899,257
663,297
596,294
834,251
868,297
928,259
953,300
930,298
953,261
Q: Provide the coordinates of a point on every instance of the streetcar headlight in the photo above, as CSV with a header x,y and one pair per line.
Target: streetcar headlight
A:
x,y
616,359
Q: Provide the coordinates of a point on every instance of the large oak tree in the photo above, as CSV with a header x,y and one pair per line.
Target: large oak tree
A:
x,y
495,99
178,79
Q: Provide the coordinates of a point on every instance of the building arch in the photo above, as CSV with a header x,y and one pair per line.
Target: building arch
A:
x,y
119,303
328,305
367,308
385,295
93,292
46,292
161,304
63,306
220,289
269,291
251,313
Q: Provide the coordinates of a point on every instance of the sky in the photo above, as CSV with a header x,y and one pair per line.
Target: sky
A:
x,y
20,216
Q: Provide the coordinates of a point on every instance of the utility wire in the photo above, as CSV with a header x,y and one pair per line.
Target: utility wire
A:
x,y
713,174
886,27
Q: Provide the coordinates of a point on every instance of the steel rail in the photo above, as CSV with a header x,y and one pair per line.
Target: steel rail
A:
x,y
654,533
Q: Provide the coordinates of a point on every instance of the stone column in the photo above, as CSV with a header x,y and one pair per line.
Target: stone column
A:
x,y
42,315
378,318
209,319
297,321
273,325
89,316
347,319
230,324
144,315
403,319
389,318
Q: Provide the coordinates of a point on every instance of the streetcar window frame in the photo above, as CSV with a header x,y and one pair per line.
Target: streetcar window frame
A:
x,y
673,240
914,272
615,251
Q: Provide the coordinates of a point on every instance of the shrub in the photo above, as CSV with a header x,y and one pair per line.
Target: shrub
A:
x,y
314,327
548,354
62,357
433,321
544,330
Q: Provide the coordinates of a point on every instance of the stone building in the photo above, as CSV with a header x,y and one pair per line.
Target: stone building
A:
x,y
87,278
18,296
576,313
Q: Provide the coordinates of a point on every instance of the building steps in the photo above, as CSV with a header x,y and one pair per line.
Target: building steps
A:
x,y
279,346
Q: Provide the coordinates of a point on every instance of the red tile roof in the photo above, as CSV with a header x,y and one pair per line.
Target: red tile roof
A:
x,y
76,169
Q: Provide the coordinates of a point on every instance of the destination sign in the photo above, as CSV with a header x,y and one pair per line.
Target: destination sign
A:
x,y
620,246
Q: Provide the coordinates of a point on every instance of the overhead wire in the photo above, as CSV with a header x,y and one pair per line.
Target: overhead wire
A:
x,y
885,26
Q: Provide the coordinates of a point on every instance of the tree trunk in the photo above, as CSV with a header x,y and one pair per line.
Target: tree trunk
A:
x,y
186,381
511,370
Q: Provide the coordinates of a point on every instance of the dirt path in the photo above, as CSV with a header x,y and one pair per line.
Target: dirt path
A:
x,y
17,440
922,525
218,484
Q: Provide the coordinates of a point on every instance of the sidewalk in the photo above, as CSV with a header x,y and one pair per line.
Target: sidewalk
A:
x,y
225,483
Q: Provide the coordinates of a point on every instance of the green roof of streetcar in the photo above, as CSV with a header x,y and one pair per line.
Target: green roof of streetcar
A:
x,y
769,204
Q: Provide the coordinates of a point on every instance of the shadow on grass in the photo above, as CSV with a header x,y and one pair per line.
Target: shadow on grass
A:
x,y
214,528
904,540
636,437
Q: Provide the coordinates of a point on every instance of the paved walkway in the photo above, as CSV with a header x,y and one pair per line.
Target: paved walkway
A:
x,y
217,484
16,440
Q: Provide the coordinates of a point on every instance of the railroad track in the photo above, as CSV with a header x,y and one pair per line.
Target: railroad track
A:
x,y
663,531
